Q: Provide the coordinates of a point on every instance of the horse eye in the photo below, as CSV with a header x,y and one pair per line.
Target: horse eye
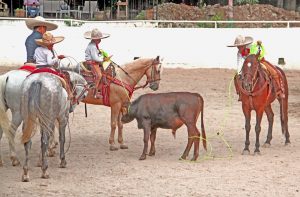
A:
x,y
249,64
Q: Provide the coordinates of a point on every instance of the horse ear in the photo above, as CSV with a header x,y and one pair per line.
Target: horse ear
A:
x,y
157,58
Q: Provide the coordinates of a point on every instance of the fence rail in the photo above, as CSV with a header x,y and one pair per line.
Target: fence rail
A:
x,y
182,23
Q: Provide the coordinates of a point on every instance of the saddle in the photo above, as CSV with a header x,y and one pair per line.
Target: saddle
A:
x,y
108,74
63,76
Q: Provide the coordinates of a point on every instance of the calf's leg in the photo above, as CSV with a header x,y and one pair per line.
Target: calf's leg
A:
x,y
152,139
147,130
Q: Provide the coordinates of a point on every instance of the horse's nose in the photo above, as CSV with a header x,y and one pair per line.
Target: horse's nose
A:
x,y
154,86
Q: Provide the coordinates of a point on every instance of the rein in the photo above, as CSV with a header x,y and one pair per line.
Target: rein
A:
x,y
147,82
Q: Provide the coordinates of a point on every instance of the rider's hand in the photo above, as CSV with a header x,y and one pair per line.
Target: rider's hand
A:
x,y
61,57
259,42
107,58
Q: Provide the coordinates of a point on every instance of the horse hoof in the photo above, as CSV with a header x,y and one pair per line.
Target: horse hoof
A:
x,y
14,161
287,143
151,154
25,178
45,175
63,164
123,146
246,152
266,145
182,158
113,148
143,157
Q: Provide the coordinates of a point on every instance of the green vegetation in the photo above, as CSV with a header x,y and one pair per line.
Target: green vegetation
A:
x,y
241,2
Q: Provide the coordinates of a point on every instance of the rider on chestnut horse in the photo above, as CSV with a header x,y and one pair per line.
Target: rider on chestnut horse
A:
x,y
245,47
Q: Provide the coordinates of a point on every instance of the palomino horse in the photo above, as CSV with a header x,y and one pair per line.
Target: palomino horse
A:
x,y
257,93
121,88
44,98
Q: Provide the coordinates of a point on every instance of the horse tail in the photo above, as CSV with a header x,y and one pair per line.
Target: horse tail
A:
x,y
202,123
30,111
284,102
4,120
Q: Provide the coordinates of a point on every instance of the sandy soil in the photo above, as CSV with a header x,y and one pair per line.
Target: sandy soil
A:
x,y
93,170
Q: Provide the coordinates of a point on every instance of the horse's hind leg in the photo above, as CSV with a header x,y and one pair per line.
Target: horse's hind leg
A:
x,y
16,121
120,133
284,119
25,176
44,146
270,116
62,138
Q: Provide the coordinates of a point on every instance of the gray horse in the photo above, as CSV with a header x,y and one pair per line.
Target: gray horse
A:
x,y
44,99
10,98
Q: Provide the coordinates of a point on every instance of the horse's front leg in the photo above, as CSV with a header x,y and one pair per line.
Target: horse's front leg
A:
x,y
270,116
247,114
115,110
259,114
120,133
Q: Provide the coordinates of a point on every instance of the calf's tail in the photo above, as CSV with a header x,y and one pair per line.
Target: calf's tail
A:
x,y
202,123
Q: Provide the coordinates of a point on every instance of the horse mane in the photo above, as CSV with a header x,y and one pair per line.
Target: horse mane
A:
x,y
136,64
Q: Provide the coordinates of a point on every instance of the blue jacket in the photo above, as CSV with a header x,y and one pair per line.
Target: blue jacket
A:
x,y
31,45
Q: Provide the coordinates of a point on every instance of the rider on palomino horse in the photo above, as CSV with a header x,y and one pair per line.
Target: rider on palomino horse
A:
x,y
246,47
39,26
95,57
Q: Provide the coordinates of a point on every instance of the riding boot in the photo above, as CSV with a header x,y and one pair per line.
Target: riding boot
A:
x,y
278,90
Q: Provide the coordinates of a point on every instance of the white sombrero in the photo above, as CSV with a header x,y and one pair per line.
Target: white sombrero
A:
x,y
48,39
241,41
95,34
39,21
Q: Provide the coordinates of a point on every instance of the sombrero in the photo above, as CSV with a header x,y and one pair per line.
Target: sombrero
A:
x,y
39,21
95,34
241,41
48,39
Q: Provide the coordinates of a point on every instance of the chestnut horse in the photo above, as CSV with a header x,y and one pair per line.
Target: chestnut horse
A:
x,y
129,76
257,93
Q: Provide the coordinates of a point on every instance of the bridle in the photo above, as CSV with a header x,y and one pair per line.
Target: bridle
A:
x,y
253,76
254,80
154,72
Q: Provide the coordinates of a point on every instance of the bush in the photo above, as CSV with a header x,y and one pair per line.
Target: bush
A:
x,y
241,2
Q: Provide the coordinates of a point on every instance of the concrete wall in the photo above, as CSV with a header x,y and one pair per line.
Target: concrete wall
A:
x,y
184,47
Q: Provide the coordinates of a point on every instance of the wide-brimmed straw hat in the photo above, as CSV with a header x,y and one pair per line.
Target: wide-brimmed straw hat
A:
x,y
48,39
95,34
39,21
241,41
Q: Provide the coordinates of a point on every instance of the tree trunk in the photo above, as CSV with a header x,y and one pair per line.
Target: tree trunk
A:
x,y
290,5
230,11
280,3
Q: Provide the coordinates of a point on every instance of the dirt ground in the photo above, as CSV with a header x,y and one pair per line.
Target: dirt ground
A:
x,y
93,170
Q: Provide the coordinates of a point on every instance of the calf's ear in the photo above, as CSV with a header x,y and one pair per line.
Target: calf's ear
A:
x,y
124,108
